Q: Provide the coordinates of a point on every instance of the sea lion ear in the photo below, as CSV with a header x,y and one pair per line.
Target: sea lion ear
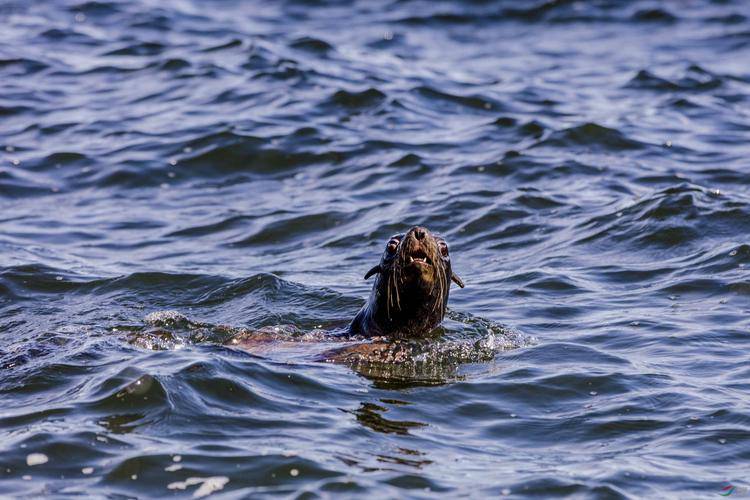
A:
x,y
455,279
374,270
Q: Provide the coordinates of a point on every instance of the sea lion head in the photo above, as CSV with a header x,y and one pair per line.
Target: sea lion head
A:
x,y
410,294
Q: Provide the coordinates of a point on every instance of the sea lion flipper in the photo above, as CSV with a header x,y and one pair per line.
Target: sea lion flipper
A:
x,y
455,279
374,270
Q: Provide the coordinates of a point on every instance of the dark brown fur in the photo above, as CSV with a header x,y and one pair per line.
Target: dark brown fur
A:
x,y
411,288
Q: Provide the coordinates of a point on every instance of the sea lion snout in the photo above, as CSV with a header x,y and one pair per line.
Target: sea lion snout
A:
x,y
419,232
419,249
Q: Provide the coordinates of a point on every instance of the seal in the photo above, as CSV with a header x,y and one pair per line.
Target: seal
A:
x,y
410,293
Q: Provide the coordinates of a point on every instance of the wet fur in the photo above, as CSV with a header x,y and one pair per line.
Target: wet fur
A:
x,y
407,300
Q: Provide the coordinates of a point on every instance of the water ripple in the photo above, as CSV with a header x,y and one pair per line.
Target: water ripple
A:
x,y
191,196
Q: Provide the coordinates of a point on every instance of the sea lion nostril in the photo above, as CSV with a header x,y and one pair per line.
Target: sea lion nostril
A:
x,y
419,233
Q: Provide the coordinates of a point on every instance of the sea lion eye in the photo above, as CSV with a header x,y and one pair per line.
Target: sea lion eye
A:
x,y
443,248
392,245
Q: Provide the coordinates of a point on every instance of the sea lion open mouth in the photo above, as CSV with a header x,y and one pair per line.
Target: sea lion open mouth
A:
x,y
419,256
410,294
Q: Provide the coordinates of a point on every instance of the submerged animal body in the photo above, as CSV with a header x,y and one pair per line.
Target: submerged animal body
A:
x,y
408,301
412,284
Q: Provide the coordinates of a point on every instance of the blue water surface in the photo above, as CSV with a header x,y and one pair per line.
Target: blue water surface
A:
x,y
242,164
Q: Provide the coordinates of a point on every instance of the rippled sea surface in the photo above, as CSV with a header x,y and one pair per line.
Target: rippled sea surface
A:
x,y
242,165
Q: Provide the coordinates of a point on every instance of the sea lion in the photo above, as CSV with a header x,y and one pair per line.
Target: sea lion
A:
x,y
408,301
410,293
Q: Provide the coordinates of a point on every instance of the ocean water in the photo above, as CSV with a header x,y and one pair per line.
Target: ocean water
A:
x,y
177,174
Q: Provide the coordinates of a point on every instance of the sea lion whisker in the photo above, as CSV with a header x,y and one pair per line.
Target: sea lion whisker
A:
x,y
398,297
389,295
390,298
440,279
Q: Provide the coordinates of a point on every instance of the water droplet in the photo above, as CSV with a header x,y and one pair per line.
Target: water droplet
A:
x,y
505,492
134,477
480,169
487,105
388,35
85,170
164,185
722,440
36,459
171,175
733,253
187,149
593,393
26,478
59,278
668,144
9,149
294,472
80,17
88,470
172,161
177,458
15,161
